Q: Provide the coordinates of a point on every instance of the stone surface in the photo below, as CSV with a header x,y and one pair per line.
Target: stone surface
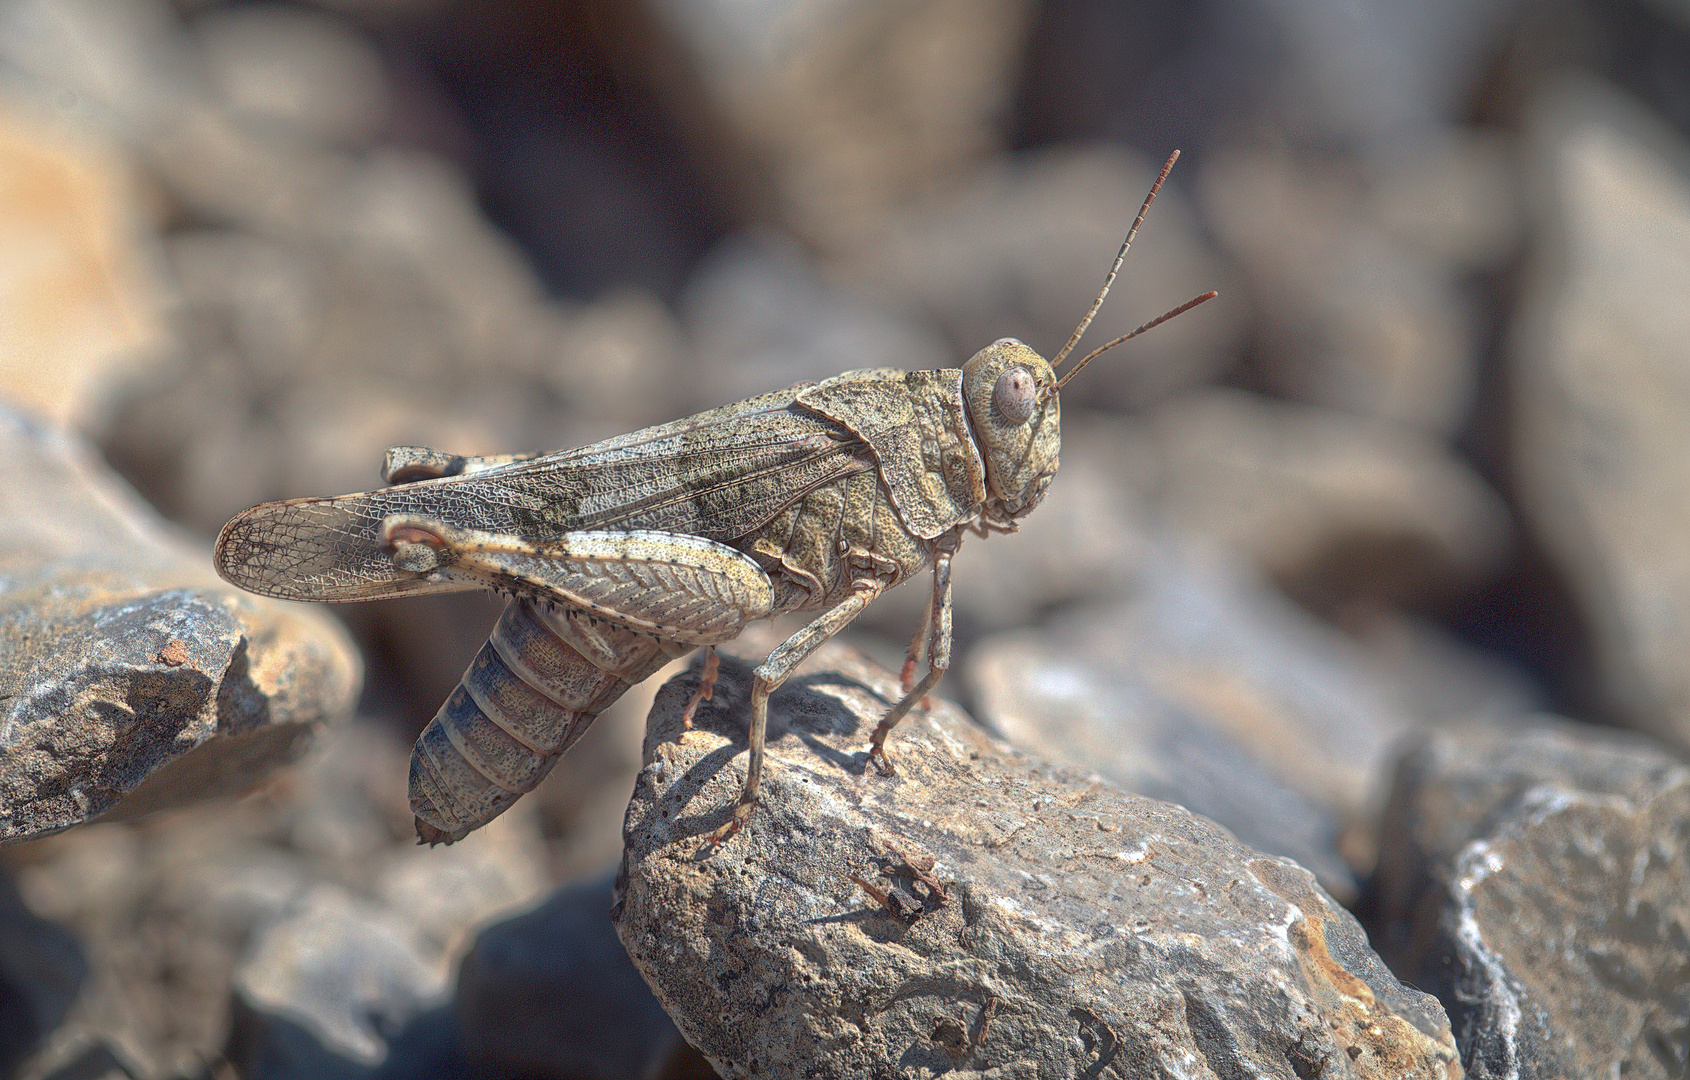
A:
x,y
132,678
1339,508
1067,927
1538,880
1601,434
840,110
300,930
1201,686
348,972
1349,315
81,303
358,982
1319,73
551,993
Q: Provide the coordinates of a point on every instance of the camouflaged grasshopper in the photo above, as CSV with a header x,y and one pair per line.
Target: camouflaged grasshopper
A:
x,y
622,555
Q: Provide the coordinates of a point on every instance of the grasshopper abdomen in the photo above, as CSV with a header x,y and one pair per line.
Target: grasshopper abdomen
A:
x,y
528,695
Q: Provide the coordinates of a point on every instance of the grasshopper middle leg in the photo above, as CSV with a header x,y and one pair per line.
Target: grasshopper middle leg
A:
x,y
938,650
706,689
774,671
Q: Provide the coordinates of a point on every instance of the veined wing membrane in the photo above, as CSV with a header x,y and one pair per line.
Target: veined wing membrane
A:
x,y
720,475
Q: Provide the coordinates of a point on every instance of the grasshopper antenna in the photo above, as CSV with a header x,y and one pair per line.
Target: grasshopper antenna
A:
x,y
1120,257
1157,321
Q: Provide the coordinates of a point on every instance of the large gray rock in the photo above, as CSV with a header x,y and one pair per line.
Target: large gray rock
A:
x,y
1204,687
1350,316
1602,415
131,678
830,112
1538,880
1062,927
1020,249
1341,508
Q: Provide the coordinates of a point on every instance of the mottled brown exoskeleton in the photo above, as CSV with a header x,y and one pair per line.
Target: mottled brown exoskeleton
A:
x,y
622,555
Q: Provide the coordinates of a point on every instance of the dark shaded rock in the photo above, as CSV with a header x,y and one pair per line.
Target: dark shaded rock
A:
x,y
1062,927
551,993
41,970
1538,881
132,679
1600,446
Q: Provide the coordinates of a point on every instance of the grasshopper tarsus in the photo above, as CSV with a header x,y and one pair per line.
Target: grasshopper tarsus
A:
x,y
730,828
624,555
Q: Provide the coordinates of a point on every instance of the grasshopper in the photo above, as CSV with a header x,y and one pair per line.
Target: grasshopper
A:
x,y
619,556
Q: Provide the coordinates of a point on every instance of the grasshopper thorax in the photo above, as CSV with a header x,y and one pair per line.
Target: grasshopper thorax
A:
x,y
1017,422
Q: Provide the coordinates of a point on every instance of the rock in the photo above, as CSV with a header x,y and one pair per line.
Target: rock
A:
x,y
160,911
1021,249
81,306
1450,193
133,679
1536,880
551,993
342,976
1349,316
1339,508
1321,73
347,972
1202,687
280,886
41,970
1601,432
843,109
761,318
294,68
1062,925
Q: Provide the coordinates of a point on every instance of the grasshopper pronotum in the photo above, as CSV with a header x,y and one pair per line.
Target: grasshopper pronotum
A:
x,y
624,554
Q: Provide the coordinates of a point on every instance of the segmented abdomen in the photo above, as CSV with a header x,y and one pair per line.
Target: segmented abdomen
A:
x,y
528,695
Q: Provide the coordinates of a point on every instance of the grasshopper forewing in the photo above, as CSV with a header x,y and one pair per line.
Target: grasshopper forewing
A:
x,y
624,554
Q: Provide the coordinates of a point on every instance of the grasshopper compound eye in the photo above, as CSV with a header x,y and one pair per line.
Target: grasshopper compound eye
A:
x,y
1015,395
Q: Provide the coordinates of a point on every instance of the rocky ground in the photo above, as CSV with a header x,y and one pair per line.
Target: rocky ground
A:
x,y
1328,719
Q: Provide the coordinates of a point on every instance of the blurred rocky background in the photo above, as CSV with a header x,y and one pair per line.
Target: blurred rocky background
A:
x,y
1323,558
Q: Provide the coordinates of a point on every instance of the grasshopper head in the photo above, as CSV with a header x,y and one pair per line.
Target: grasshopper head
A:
x,y
1010,398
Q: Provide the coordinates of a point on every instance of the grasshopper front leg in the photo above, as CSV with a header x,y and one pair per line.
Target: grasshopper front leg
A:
x,y
772,673
938,650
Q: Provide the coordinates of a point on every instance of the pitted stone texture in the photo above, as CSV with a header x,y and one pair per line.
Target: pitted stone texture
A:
x,y
1538,880
130,678
1085,930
